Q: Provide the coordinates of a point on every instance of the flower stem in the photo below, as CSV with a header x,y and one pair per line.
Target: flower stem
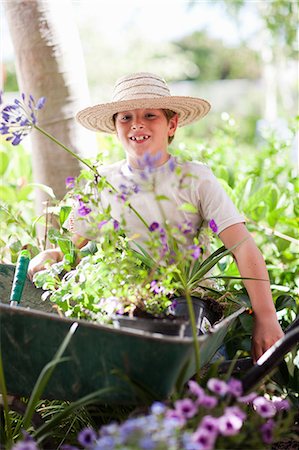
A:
x,y
94,170
66,148
194,332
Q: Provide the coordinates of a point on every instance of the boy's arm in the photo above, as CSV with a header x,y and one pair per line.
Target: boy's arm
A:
x,y
51,256
251,264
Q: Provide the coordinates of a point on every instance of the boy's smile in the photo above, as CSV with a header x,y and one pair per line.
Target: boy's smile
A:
x,y
145,131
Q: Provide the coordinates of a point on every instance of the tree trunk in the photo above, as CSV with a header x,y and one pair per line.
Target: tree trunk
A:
x,y
49,63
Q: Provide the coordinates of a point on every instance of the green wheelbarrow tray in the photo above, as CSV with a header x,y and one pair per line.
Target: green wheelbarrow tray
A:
x,y
98,356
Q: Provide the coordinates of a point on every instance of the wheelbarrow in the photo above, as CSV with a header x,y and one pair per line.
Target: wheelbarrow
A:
x,y
128,361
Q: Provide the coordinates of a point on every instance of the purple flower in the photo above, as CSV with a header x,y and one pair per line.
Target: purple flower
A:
x,y
40,103
69,447
248,398
267,431
70,182
102,223
106,443
208,401
176,416
25,445
195,389
147,443
158,408
156,288
148,162
186,227
83,210
236,411
87,437
196,250
282,404
171,164
115,225
229,424
235,387
210,423
213,226
19,118
219,387
265,408
186,407
204,438
154,226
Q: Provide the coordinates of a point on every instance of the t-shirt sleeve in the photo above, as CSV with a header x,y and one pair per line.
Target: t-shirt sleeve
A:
x,y
214,203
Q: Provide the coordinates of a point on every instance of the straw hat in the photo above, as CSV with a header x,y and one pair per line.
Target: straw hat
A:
x,y
142,90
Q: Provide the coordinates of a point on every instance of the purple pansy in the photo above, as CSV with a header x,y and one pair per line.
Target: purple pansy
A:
x,y
210,423
235,387
213,226
217,386
208,401
265,408
229,424
176,416
248,398
204,439
282,404
267,431
155,287
236,411
196,390
87,437
186,407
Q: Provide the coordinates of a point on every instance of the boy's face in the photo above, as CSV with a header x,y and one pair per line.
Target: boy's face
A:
x,y
144,131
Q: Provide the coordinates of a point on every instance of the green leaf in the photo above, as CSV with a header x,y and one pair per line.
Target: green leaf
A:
x,y
285,301
64,213
188,207
47,189
161,197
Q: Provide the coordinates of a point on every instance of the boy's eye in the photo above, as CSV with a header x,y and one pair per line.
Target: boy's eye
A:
x,y
125,117
150,115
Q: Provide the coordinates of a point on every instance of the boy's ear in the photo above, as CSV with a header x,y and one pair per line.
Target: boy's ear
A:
x,y
173,124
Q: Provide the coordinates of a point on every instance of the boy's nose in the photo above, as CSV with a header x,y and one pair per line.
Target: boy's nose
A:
x,y
137,123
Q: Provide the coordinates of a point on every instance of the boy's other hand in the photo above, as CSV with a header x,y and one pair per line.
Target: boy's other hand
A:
x,y
266,332
40,261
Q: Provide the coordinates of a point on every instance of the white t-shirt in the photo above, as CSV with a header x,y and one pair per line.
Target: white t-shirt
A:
x,y
176,183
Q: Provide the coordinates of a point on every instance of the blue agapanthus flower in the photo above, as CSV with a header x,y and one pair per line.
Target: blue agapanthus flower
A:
x,y
18,118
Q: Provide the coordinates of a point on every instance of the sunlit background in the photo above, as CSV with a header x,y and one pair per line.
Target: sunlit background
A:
x,y
240,55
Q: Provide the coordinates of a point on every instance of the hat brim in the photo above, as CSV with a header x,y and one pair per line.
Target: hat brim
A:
x,y
100,117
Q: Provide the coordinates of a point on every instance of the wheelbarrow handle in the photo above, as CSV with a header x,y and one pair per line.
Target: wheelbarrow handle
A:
x,y
270,359
19,278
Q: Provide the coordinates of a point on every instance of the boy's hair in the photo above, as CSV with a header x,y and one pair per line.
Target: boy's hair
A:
x,y
167,113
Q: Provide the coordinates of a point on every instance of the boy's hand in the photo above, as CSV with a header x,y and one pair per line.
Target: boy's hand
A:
x,y
266,331
40,261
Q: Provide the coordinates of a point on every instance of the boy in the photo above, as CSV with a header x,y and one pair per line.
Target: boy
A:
x,y
145,116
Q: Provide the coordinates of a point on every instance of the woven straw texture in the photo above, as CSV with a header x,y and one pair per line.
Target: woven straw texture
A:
x,y
142,91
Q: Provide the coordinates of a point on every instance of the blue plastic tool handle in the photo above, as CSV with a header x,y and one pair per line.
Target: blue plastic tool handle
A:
x,y
20,277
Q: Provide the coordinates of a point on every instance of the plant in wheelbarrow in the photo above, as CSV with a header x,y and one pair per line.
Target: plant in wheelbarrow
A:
x,y
145,286
122,276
